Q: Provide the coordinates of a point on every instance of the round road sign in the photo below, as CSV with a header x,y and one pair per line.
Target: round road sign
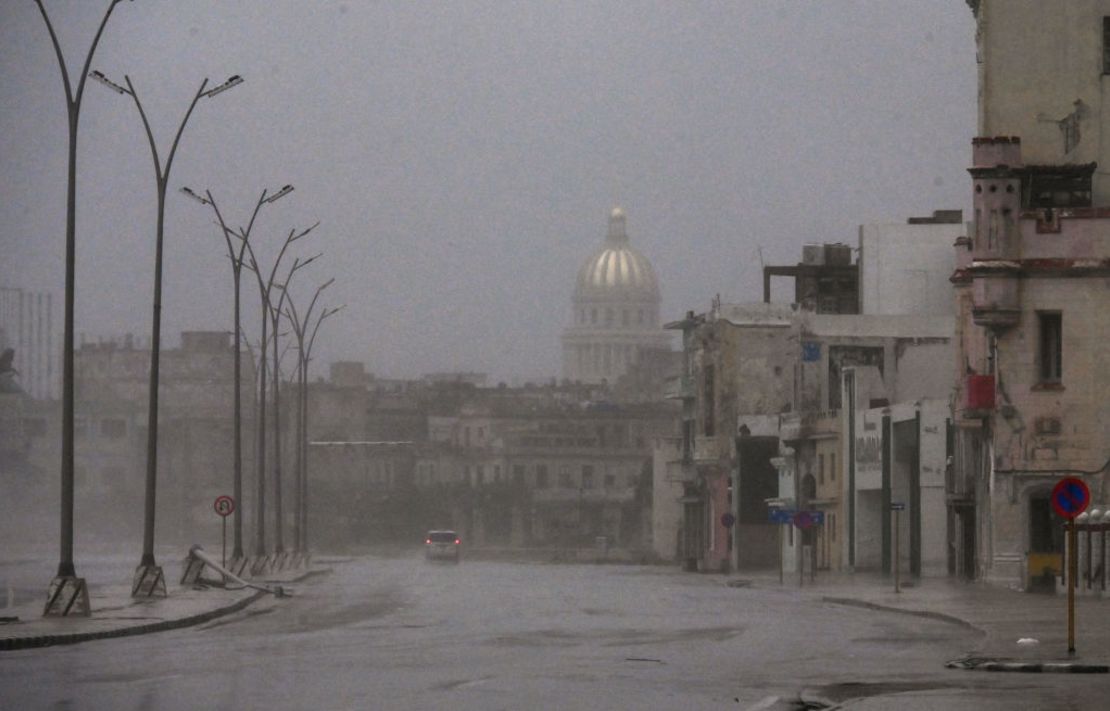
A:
x,y
727,519
224,505
1070,497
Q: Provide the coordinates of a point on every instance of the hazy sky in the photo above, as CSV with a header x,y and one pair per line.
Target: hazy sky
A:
x,y
462,157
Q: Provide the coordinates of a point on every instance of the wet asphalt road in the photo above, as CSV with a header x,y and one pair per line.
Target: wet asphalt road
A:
x,y
400,633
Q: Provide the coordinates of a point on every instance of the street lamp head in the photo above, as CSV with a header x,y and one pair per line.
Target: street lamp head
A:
x,y
235,80
194,195
308,261
99,76
279,194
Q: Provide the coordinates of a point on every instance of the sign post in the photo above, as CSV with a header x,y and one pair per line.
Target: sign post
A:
x,y
225,506
897,507
1070,498
780,517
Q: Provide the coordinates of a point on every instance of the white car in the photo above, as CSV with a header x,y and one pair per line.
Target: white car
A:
x,y
442,545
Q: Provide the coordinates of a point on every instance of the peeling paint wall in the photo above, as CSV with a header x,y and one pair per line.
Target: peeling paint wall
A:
x,y
1041,77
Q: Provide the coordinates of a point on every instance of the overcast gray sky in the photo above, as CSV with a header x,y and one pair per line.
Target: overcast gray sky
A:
x,y
462,156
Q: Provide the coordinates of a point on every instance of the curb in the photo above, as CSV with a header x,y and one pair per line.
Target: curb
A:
x,y
14,643
928,614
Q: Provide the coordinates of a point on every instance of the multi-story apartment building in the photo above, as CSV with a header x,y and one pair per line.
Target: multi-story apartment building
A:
x,y
1032,393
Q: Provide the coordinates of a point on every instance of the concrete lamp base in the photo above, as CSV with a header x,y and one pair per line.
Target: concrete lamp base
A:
x,y
148,581
68,596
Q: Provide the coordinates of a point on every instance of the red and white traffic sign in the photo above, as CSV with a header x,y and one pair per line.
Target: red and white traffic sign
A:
x,y
1070,497
224,505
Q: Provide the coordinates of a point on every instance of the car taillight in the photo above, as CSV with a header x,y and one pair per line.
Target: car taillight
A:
x,y
456,541
428,541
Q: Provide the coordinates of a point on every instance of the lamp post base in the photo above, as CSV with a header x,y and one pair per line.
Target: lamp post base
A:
x,y
68,596
148,581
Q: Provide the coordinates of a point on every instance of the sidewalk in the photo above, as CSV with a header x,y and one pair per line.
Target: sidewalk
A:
x,y
116,614
1001,616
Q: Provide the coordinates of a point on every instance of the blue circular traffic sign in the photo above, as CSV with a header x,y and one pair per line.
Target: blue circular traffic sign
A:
x,y
1070,497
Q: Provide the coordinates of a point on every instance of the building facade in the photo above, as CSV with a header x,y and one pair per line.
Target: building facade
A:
x,y
1031,286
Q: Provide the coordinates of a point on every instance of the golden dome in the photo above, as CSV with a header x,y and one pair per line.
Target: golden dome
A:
x,y
617,272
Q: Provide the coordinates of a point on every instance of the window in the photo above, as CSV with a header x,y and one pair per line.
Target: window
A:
x,y
709,390
541,476
832,468
564,477
610,481
832,527
820,468
518,474
1051,332
587,476
1106,45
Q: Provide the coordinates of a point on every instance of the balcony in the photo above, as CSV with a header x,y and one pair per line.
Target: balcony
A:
x,y
582,496
811,424
707,449
995,294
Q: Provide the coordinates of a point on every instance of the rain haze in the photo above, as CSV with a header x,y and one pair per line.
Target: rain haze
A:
x,y
678,355
462,157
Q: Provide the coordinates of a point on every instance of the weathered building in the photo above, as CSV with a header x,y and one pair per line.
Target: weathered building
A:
x,y
1031,285
511,468
195,442
764,425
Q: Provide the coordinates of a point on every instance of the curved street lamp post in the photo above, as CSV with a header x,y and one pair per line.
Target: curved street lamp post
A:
x,y
68,594
148,579
275,317
264,289
236,257
304,352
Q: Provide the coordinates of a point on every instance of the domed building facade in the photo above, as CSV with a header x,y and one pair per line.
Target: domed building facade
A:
x,y
615,311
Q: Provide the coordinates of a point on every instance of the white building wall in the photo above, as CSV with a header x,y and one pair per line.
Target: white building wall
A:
x,y
904,268
666,510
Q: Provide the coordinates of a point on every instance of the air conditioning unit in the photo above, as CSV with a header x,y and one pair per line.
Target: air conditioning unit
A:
x,y
979,393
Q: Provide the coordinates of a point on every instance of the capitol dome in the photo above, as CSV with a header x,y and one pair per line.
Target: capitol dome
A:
x,y
615,310
616,272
